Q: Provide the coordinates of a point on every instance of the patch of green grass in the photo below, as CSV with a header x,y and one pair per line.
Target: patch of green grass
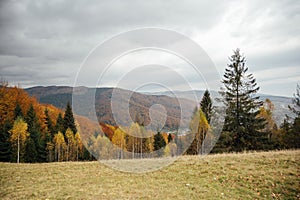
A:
x,y
262,175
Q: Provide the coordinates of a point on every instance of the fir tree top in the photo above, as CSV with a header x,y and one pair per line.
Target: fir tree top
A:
x,y
206,105
69,121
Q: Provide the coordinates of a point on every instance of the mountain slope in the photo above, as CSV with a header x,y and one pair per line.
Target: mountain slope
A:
x,y
139,104
280,103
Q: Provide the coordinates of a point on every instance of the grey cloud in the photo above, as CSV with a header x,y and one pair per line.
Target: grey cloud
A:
x,y
49,39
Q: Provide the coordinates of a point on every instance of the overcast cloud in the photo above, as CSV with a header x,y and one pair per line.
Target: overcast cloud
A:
x,y
44,42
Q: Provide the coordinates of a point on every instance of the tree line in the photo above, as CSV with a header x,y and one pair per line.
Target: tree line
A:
x,y
249,123
29,133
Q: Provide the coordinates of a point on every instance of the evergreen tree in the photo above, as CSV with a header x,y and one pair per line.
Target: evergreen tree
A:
x,y
159,143
18,111
31,153
5,147
242,106
285,129
34,129
59,126
206,105
295,108
292,137
87,155
49,124
69,121
170,138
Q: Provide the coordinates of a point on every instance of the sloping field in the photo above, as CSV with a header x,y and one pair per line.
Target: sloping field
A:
x,y
262,175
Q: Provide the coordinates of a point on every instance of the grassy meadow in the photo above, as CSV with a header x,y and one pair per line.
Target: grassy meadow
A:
x,y
258,175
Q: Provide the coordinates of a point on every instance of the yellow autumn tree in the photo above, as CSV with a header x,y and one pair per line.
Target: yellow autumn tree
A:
x,y
266,112
49,149
102,148
199,127
167,151
119,141
60,146
132,145
78,145
70,145
18,135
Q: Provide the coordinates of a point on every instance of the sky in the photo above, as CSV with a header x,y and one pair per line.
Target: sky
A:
x,y
47,42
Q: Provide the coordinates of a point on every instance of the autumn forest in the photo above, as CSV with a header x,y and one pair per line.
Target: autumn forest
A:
x,y
34,132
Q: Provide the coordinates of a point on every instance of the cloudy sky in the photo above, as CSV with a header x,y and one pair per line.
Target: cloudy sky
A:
x,y
45,42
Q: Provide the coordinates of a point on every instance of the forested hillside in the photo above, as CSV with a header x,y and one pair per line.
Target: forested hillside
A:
x,y
34,132
139,103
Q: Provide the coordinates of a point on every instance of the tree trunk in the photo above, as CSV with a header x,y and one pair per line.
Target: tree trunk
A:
x,y
18,157
133,149
141,147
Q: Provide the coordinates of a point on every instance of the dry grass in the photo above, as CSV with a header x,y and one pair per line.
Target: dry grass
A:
x,y
264,175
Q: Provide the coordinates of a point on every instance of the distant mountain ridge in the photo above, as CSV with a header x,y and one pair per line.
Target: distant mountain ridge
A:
x,y
139,104
60,95
280,102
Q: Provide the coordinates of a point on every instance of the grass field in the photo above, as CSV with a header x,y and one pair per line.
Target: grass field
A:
x,y
264,175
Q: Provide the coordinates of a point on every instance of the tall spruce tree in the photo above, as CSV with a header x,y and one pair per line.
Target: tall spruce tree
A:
x,y
59,126
241,120
292,137
18,111
69,121
295,108
34,128
206,105
5,146
159,143
49,124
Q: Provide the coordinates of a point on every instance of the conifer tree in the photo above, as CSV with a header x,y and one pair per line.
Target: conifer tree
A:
x,y
206,105
159,143
242,107
31,153
170,138
295,108
49,124
18,111
5,146
292,137
59,126
34,129
69,121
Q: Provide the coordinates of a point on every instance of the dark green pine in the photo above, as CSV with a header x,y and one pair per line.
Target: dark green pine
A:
x,y
242,126
159,143
49,124
18,111
206,105
69,121
34,129
5,147
59,126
